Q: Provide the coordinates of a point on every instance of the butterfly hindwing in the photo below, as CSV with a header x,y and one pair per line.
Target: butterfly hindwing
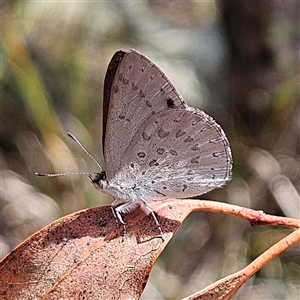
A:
x,y
178,153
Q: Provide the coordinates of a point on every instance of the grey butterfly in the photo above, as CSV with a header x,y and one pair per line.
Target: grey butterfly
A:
x,y
155,146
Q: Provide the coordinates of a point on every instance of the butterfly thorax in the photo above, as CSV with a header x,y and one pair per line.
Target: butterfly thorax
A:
x,y
122,189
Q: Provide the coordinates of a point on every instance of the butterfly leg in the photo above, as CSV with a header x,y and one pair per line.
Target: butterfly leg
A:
x,y
148,211
119,219
120,207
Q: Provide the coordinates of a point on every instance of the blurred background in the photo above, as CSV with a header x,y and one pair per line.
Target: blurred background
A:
x,y
236,60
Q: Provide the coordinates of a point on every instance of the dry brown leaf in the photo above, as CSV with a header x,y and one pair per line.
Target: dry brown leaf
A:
x,y
82,256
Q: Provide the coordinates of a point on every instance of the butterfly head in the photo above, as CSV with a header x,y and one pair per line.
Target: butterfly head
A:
x,y
99,180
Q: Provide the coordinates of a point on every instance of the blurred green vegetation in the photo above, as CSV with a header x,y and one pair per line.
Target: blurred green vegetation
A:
x,y
54,57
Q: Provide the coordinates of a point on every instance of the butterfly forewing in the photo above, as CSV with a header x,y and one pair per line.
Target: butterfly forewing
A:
x,y
137,89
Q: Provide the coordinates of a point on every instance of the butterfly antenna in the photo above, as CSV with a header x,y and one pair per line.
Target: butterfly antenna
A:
x,y
60,174
86,152
72,173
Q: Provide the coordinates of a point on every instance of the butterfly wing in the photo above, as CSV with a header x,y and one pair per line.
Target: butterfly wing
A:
x,y
134,90
177,153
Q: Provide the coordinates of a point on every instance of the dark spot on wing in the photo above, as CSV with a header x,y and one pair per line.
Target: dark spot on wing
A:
x,y
188,139
125,80
153,163
195,147
162,133
173,152
160,151
170,103
142,94
180,133
146,137
134,86
195,160
141,154
115,88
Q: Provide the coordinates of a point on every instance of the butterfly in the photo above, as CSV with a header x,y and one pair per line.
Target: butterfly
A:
x,y
155,146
